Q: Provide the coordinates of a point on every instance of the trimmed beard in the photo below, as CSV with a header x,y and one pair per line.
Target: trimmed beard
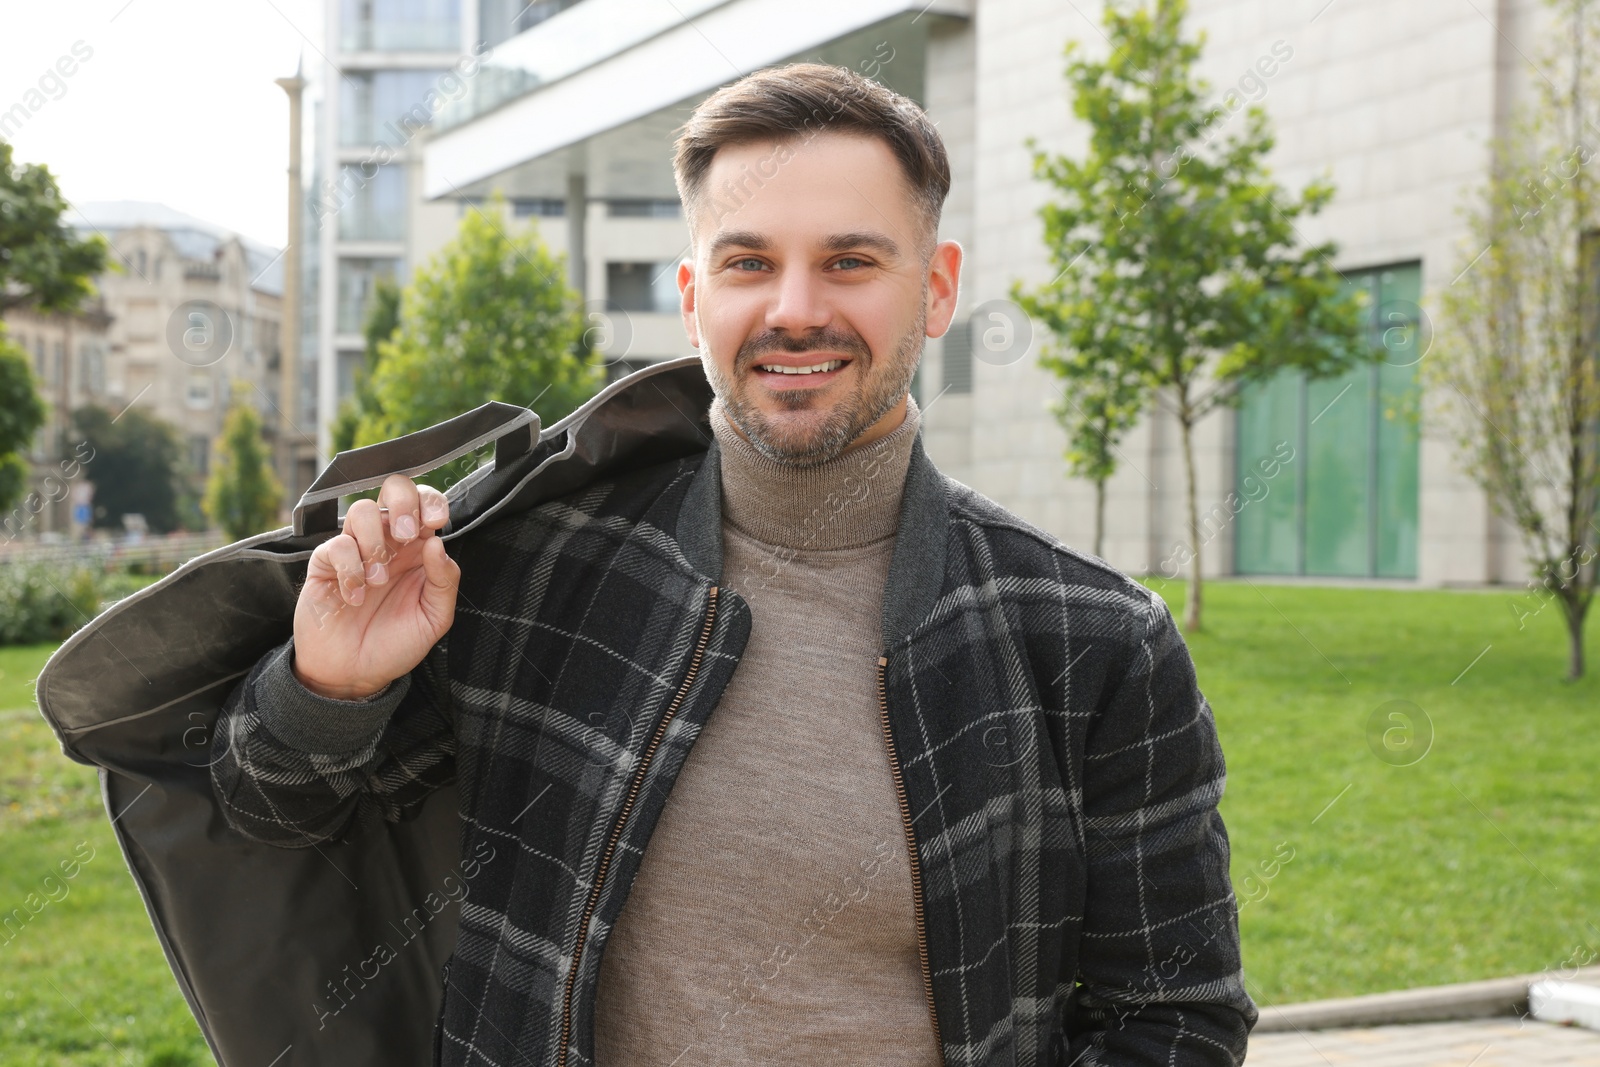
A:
x,y
847,421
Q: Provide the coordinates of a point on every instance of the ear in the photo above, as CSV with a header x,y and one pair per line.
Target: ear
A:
x,y
944,287
686,298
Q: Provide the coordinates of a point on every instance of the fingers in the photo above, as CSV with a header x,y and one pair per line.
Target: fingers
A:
x,y
435,509
443,576
399,495
364,523
338,559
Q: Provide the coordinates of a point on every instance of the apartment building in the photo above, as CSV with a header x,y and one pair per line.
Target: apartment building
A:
x,y
193,309
68,353
572,113
187,310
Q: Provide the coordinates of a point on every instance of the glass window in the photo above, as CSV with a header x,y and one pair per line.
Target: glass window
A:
x,y
200,454
357,279
372,203
544,207
400,25
643,209
350,361
500,20
199,391
1346,505
1268,531
93,362
649,287
958,357
385,106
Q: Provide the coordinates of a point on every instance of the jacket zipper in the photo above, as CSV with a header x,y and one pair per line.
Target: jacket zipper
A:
x,y
627,807
911,854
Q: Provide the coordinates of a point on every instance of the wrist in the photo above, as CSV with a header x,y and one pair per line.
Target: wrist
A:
x,y
335,691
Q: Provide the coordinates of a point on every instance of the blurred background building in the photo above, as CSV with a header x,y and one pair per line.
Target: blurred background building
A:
x,y
571,116
180,286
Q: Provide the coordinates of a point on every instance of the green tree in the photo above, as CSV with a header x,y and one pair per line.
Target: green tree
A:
x,y
135,466
1178,259
383,318
242,494
1519,329
22,413
1099,412
490,317
44,266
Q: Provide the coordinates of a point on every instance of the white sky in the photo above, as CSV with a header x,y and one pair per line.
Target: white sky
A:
x,y
176,105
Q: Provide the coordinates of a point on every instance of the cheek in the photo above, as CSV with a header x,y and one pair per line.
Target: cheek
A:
x,y
879,318
727,319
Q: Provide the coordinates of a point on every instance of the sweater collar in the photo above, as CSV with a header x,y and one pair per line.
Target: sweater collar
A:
x,y
917,576
848,501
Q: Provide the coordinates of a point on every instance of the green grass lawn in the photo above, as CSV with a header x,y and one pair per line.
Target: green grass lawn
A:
x,y
1475,861
1478,860
82,982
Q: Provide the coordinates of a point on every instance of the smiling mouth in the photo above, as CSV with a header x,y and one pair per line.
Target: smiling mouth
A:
x,y
815,368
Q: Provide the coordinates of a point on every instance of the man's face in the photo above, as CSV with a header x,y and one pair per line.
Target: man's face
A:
x,y
810,261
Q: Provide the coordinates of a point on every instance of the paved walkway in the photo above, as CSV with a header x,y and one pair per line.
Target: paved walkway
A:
x,y
1486,1043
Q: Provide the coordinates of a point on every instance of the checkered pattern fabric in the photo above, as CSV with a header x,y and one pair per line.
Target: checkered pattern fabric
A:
x,y
1060,765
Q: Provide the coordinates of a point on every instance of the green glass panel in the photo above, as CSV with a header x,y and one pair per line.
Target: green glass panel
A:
x,y
1403,337
1397,471
1339,447
1267,538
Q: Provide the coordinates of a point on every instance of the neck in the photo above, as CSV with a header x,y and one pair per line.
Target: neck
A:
x,y
849,501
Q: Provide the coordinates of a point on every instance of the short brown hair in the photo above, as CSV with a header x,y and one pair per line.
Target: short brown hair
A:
x,y
800,100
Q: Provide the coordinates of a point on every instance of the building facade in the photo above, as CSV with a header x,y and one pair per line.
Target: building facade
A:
x,y
69,358
192,310
572,113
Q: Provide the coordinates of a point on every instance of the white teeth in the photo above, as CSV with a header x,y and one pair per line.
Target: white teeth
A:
x,y
832,364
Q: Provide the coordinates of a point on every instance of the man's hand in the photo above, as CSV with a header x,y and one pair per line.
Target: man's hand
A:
x,y
377,596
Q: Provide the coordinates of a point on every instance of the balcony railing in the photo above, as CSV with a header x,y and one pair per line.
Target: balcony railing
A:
x,y
568,37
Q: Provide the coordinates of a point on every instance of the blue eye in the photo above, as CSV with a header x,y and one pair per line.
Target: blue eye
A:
x,y
850,259
744,264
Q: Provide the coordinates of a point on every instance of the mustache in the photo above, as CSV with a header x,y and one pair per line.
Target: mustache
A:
x,y
847,342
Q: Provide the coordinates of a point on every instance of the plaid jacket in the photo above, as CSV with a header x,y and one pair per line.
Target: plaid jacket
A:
x,y
1058,771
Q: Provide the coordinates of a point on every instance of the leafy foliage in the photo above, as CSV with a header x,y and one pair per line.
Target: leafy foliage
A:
x,y
134,469
22,413
43,603
490,317
1180,270
43,264
1515,354
242,494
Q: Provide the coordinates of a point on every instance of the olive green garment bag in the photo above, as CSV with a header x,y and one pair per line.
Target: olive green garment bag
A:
x,y
273,947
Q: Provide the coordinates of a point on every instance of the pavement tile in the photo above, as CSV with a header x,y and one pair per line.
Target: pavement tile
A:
x,y
1481,1043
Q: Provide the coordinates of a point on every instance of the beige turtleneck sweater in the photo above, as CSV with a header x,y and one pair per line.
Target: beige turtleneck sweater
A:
x,y
771,921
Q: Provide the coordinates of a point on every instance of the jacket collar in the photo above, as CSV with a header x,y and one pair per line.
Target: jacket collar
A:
x,y
916,568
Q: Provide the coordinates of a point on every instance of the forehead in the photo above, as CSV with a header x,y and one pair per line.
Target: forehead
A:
x,y
805,189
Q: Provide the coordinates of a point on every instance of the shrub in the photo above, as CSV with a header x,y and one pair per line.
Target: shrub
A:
x,y
40,603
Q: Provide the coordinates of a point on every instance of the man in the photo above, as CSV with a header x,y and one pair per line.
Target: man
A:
x,y
805,752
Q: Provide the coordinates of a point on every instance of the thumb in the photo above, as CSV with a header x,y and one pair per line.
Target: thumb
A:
x,y
441,577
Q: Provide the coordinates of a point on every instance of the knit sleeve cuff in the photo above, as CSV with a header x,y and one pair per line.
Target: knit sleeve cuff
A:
x,y
317,724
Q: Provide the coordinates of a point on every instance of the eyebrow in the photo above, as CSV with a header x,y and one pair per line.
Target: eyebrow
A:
x,y
738,239
869,239
838,242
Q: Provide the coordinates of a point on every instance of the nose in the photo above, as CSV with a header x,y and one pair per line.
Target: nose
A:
x,y
799,305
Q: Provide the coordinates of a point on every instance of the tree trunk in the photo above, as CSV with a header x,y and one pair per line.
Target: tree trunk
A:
x,y
1100,518
1191,607
1574,614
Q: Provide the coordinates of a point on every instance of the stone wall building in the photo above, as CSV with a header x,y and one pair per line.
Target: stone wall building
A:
x,y
572,118
192,309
